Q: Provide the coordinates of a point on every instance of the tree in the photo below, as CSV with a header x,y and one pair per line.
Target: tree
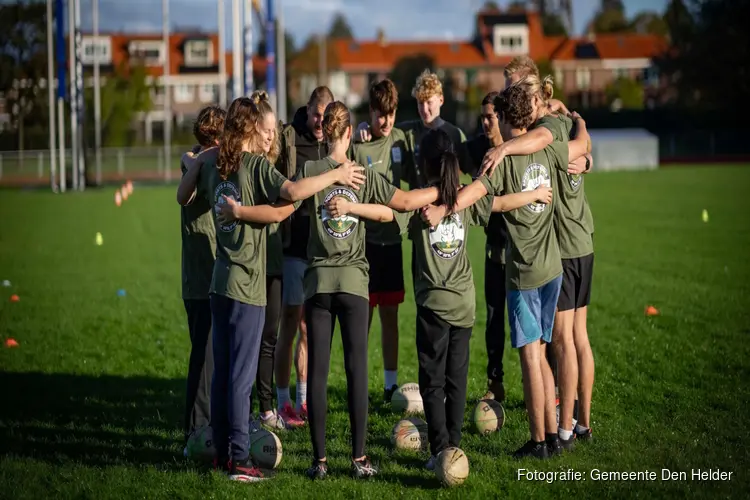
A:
x,y
490,5
23,64
406,71
340,28
517,6
125,94
610,21
708,61
624,93
649,22
553,25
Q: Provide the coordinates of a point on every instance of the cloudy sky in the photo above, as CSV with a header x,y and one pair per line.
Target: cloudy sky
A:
x,y
401,19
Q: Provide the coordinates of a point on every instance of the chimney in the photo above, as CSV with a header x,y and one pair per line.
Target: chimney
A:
x,y
381,37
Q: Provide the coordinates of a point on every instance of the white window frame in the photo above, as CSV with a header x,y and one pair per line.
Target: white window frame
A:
x,y
620,73
583,78
102,52
559,77
137,46
208,92
511,39
193,60
184,92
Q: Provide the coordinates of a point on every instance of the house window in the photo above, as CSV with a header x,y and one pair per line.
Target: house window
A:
x,y
559,75
199,53
620,73
583,78
511,39
150,52
184,93
208,93
94,48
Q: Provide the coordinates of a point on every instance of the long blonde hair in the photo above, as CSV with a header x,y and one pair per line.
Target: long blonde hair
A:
x,y
261,100
239,127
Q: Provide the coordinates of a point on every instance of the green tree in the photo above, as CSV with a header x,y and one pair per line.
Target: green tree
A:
x,y
649,22
610,21
490,5
517,6
553,25
625,93
340,28
709,60
125,94
23,64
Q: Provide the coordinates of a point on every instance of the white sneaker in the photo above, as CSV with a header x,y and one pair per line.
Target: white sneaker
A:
x,y
430,465
273,423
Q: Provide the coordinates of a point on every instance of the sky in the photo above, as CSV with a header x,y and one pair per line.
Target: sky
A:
x,y
400,19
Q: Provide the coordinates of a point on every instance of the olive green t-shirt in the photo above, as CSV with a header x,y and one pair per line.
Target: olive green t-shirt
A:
x,y
387,156
198,248
573,220
240,268
532,257
414,131
443,281
336,248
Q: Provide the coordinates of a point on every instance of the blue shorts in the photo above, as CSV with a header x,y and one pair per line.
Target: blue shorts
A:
x,y
293,291
531,313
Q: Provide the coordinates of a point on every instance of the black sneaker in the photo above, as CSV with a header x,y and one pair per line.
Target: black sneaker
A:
x,y
495,390
318,470
568,444
587,435
532,449
554,447
388,394
245,471
363,469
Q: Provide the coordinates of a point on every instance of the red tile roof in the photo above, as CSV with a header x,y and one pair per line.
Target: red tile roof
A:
x,y
375,55
613,46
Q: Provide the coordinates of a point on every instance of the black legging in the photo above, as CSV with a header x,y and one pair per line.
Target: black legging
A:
x,y
352,312
264,378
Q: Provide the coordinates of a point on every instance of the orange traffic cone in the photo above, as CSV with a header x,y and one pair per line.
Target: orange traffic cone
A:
x,y
11,343
15,298
652,311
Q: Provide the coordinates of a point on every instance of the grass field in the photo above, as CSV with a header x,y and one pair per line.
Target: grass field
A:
x,y
92,397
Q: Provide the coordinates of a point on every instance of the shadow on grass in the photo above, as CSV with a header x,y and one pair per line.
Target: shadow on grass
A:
x,y
93,420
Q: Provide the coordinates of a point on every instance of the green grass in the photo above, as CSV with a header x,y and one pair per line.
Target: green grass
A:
x,y
91,400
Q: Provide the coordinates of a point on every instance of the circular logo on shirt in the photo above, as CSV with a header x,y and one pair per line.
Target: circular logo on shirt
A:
x,y
447,238
575,181
534,176
229,190
339,227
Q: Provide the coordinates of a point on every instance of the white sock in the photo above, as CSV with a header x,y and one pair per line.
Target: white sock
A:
x,y
301,394
563,434
282,397
581,429
391,378
575,422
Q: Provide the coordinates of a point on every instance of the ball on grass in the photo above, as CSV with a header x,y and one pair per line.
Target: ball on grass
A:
x,y
410,434
407,399
489,416
265,448
452,467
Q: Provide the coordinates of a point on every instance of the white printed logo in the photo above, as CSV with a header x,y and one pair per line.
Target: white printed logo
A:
x,y
396,154
339,227
229,190
575,181
447,238
536,175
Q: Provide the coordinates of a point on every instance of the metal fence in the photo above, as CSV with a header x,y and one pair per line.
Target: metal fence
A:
x,y
29,168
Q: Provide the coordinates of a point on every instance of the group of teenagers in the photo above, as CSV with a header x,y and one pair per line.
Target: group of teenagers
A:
x,y
288,227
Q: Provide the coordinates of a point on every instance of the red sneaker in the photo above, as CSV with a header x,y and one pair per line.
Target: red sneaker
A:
x,y
245,472
291,419
302,413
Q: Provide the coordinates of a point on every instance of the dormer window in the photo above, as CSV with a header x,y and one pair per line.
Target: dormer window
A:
x,y
511,39
150,52
199,53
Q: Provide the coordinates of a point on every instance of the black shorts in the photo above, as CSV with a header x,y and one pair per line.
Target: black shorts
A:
x,y
386,274
576,284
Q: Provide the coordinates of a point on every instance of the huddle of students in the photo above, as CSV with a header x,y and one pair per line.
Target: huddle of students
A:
x,y
319,176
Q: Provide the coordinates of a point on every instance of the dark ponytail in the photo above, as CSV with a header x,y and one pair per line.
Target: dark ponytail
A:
x,y
440,162
448,187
